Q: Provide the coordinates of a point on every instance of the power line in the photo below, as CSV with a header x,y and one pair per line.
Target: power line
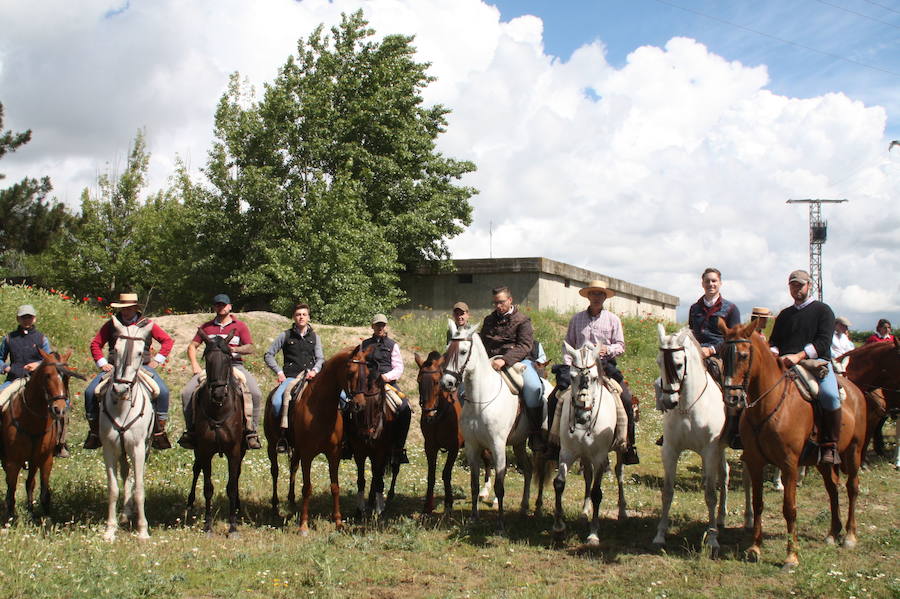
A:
x,y
882,6
780,39
858,14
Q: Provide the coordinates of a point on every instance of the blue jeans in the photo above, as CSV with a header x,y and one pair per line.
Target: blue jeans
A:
x,y
5,384
160,404
278,396
829,397
533,391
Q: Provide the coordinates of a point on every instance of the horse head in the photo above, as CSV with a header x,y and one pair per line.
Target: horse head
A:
x,y
737,362
54,373
129,352
366,394
217,355
675,351
429,381
585,371
457,359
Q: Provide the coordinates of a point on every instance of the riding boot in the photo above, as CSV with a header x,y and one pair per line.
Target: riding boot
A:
x,y
252,439
630,457
830,434
282,446
535,435
401,429
93,437
733,429
160,439
62,448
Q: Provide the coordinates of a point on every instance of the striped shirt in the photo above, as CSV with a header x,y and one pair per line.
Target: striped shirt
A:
x,y
604,329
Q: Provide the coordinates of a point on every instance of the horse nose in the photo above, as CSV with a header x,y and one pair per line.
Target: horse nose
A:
x,y
58,412
448,383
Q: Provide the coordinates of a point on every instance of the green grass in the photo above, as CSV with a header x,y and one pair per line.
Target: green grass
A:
x,y
405,554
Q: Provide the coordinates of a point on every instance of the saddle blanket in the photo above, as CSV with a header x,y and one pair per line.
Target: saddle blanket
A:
x,y
245,393
14,388
145,378
620,437
808,374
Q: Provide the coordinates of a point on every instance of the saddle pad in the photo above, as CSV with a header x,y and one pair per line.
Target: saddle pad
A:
x,y
14,388
512,376
147,379
393,398
101,386
807,379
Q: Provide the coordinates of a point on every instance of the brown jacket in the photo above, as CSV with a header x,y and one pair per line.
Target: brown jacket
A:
x,y
509,337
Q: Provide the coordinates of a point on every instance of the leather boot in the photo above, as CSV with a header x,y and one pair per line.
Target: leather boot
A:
x,y
252,439
398,453
160,439
630,457
830,433
93,437
62,448
535,435
282,446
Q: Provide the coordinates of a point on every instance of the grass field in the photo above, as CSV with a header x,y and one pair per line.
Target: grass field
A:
x,y
405,554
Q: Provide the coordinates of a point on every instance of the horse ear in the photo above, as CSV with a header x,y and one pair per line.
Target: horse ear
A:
x,y
661,331
451,326
419,360
203,336
748,329
569,349
230,335
68,355
723,327
44,354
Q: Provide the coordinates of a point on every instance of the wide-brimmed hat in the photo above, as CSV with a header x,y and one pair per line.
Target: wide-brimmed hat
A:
x,y
596,285
379,319
26,310
844,321
760,312
126,300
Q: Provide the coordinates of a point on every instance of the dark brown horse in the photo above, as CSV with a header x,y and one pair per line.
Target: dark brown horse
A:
x,y
874,367
315,426
30,429
219,425
775,426
371,431
440,426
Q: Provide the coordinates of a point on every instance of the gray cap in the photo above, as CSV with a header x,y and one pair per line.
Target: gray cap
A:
x,y
844,321
221,299
26,310
799,276
379,318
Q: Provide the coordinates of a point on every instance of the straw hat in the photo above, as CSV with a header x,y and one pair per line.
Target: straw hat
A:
x,y
761,313
596,285
126,300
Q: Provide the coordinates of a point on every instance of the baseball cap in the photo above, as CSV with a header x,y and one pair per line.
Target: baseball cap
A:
x,y
799,276
221,299
461,306
379,318
26,310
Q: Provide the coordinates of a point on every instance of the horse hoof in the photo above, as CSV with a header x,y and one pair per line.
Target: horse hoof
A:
x,y
849,542
304,532
789,566
659,543
752,555
623,515
233,534
593,541
829,540
109,536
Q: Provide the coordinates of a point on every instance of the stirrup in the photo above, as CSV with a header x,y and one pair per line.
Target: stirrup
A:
x,y
282,446
829,455
61,451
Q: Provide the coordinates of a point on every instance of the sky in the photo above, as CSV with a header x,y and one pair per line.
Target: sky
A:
x,y
643,139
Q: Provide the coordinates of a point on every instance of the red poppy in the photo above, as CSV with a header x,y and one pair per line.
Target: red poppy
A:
x,y
99,299
85,299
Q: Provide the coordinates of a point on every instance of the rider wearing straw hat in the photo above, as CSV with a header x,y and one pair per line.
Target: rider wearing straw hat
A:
x,y
129,314
762,315
601,328
840,341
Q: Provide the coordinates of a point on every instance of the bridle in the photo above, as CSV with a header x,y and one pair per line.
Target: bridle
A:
x,y
453,354
426,393
729,364
670,373
578,405
374,412
220,385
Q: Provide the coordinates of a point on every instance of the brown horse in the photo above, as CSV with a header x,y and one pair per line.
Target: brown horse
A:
x,y
30,428
315,426
874,367
219,428
775,426
371,431
440,426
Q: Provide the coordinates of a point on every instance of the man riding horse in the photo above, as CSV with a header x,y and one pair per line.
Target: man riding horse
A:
x,y
241,344
21,349
303,356
602,329
804,331
703,318
129,314
508,337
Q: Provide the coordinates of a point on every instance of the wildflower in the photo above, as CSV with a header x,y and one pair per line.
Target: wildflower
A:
x,y
99,299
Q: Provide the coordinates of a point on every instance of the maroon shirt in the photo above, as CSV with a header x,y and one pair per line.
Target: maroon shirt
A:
x,y
241,337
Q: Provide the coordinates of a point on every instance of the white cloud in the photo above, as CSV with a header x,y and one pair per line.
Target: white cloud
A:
x,y
650,172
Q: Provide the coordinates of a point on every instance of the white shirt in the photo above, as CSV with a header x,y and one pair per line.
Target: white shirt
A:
x,y
840,344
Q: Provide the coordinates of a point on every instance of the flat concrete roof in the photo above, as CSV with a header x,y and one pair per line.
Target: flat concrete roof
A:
x,y
546,265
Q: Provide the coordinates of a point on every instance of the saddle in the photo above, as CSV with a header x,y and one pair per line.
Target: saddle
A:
x,y
513,377
620,437
808,373
145,378
291,393
14,388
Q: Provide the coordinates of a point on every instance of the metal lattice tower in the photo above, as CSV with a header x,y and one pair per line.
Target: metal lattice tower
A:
x,y
818,233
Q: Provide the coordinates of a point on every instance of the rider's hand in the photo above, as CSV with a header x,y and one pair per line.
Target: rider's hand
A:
x,y
106,368
31,366
196,369
153,364
706,351
791,359
385,378
281,377
7,369
604,349
498,363
311,374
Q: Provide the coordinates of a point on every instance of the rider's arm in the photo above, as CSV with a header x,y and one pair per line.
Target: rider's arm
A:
x,y
274,348
396,365
320,356
100,339
571,339
4,352
192,356
246,340
522,347
165,343
821,343
616,345
45,345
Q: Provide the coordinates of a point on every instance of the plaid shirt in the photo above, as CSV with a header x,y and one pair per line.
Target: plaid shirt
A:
x,y
603,329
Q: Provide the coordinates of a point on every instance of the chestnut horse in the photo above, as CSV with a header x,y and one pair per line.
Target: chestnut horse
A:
x,y
219,428
775,426
371,431
29,428
877,366
440,426
314,426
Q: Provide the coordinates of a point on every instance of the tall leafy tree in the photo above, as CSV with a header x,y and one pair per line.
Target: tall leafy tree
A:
x,y
331,184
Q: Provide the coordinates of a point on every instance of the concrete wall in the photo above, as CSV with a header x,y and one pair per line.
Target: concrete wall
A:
x,y
562,294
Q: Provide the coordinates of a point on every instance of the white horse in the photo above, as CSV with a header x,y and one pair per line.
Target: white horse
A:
x,y
693,418
126,422
490,416
587,431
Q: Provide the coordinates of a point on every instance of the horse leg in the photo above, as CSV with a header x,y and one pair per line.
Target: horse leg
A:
x,y
29,488
207,493
620,486
395,471
897,445
485,493
596,497
273,470
748,498
46,493
712,478
126,474
234,502
112,481
474,459
559,486
789,510
431,452
360,486
139,459
447,476
377,486
670,466
292,479
334,462
192,496
306,489
755,471
499,453
12,480
850,461
539,468
587,508
524,463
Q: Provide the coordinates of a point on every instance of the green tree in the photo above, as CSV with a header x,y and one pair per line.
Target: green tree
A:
x,y
331,183
30,219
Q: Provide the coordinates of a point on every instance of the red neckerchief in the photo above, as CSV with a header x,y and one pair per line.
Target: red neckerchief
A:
x,y
709,311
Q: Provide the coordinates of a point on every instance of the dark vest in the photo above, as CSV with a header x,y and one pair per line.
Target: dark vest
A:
x,y
382,354
299,351
23,349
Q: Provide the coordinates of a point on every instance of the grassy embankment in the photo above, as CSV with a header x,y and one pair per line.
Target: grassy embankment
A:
x,y
404,554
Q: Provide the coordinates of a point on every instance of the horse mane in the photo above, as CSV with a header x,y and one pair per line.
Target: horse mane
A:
x,y
432,356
